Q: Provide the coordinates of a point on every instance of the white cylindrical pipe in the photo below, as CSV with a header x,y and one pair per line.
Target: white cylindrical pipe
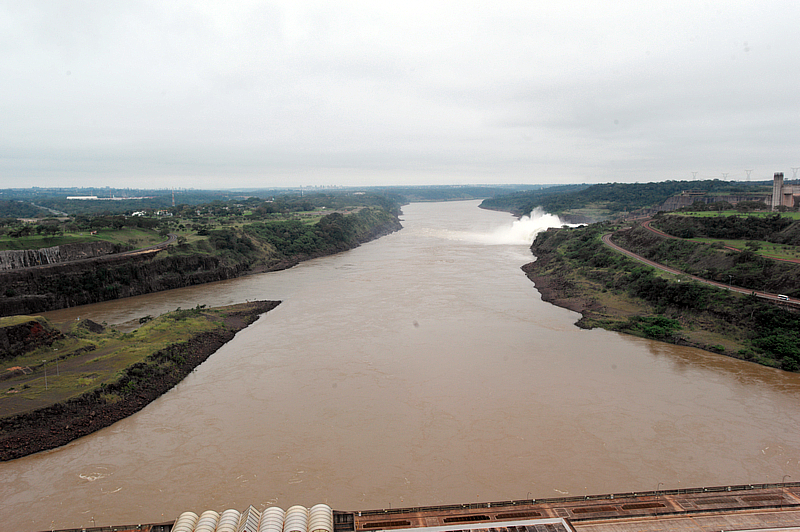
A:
x,y
185,522
296,519
229,521
272,519
320,517
207,522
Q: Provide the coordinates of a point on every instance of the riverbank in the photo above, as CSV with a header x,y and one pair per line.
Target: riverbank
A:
x,y
226,254
575,270
135,386
612,312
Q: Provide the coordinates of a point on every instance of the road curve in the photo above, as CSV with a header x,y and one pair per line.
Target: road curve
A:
x,y
765,295
171,239
646,225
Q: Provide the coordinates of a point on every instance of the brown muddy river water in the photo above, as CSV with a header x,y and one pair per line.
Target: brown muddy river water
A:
x,y
419,369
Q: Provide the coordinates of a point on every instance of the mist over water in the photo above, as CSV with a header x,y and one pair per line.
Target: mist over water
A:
x,y
520,232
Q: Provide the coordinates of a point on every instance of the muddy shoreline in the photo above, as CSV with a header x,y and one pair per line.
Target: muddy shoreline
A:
x,y
58,424
552,290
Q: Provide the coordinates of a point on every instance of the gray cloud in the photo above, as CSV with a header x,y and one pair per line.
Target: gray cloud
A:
x,y
254,94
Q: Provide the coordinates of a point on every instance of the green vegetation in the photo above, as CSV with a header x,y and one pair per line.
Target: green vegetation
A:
x,y
623,295
734,226
215,241
275,241
21,209
715,214
746,269
107,360
141,228
39,202
522,203
334,232
64,386
777,228
607,200
655,327
765,249
128,232
450,192
128,238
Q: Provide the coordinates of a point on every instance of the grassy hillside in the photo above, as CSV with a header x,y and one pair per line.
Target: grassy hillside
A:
x,y
577,270
779,228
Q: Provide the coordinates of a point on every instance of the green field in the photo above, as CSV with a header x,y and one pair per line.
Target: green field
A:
x,y
766,249
134,237
713,214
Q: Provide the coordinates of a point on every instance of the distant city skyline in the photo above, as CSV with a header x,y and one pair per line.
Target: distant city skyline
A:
x,y
250,94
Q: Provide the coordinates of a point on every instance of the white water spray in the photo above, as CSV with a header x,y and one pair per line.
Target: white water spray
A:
x,y
522,231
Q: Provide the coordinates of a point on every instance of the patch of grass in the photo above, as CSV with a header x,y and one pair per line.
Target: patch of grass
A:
x,y
712,214
10,321
766,249
87,380
143,238
654,327
110,398
90,360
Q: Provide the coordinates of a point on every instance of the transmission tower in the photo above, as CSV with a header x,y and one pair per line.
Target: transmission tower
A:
x,y
725,176
694,176
794,171
748,174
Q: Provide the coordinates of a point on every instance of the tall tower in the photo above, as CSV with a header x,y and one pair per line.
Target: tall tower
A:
x,y
777,185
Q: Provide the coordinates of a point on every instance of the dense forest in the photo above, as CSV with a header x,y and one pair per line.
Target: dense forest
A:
x,y
522,203
20,209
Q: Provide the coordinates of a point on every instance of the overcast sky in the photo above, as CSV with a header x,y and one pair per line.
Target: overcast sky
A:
x,y
246,94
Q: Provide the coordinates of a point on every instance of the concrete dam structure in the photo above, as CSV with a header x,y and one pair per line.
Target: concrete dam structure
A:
x,y
784,195
741,508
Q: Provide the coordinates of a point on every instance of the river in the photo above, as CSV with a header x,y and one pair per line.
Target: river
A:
x,y
419,369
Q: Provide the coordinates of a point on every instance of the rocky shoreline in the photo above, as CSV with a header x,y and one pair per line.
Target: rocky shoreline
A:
x,y
554,290
61,423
